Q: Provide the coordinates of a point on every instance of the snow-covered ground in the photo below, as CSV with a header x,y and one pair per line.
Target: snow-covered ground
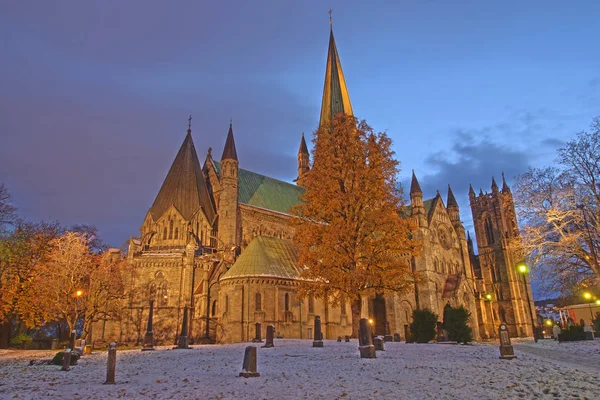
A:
x,y
295,370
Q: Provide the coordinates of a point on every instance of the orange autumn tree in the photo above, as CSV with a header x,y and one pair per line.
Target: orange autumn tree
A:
x,y
352,241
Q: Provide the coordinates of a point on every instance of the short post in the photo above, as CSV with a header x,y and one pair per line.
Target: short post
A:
x,y
365,343
111,364
183,341
339,339
396,337
506,349
249,366
347,338
149,337
72,339
66,362
318,341
270,335
257,338
388,333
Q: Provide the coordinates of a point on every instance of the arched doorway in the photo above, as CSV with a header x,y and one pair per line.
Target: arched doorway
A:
x,y
379,316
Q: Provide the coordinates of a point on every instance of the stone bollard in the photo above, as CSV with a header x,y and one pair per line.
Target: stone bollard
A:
x,y
396,337
111,364
249,366
183,340
149,336
347,338
378,343
506,349
365,344
339,339
66,364
257,338
318,342
270,335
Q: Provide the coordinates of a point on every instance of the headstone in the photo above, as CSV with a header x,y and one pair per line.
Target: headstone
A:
x,y
365,344
378,343
257,338
183,341
249,366
339,339
396,337
506,349
270,335
388,333
347,338
588,332
66,363
556,331
111,364
441,337
149,336
318,341
87,349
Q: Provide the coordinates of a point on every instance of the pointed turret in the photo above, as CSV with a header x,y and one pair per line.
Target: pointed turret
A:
x,y
229,152
505,188
228,199
303,159
471,192
416,201
184,186
336,99
452,207
494,186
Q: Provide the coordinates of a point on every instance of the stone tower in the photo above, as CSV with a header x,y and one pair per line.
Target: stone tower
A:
x,y
303,160
497,235
228,200
416,202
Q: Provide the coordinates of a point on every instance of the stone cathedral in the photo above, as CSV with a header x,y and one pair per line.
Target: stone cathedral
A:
x,y
218,240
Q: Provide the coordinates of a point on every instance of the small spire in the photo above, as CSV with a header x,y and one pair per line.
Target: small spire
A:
x,y
229,151
480,192
505,187
414,184
189,124
471,191
494,185
303,148
451,199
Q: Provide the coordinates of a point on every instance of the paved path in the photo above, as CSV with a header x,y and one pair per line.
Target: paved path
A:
x,y
561,356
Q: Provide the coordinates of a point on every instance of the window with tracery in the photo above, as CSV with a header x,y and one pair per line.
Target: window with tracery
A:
x,y
258,302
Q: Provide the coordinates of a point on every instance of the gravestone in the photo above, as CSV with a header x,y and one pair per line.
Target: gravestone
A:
x,y
365,343
149,336
72,339
66,364
111,364
378,343
588,332
183,340
396,337
506,349
318,341
249,365
257,338
441,333
339,339
388,333
270,335
347,338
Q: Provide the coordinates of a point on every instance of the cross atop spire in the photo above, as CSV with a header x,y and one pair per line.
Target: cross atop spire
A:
x,y
330,21
190,124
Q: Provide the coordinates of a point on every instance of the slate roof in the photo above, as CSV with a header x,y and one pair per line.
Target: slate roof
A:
x,y
406,211
336,99
185,186
265,192
229,151
266,257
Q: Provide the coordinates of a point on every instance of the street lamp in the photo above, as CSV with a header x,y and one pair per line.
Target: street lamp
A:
x,y
588,296
522,268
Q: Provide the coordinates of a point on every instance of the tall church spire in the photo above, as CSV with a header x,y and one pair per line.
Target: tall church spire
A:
x,y
229,149
336,99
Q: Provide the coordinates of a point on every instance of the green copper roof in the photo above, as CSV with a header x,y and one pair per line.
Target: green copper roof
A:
x,y
264,192
406,211
265,257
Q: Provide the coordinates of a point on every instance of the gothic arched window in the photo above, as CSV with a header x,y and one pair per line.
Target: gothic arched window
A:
x,y
176,233
489,232
343,308
226,303
165,233
287,302
171,229
213,311
163,294
311,305
258,302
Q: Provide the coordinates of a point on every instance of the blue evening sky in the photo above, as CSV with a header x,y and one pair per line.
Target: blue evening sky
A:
x,y
95,95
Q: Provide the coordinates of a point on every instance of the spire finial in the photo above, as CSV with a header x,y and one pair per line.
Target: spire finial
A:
x,y
230,121
330,21
190,124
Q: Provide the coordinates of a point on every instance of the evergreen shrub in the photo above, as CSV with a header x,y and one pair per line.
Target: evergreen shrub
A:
x,y
423,326
456,324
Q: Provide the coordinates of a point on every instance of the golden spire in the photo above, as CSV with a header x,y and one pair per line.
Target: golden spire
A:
x,y
336,99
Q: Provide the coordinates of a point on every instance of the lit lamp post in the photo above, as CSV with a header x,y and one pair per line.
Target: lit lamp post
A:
x,y
588,296
488,299
523,270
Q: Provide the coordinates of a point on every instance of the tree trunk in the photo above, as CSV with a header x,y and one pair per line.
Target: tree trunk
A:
x,y
5,329
355,308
